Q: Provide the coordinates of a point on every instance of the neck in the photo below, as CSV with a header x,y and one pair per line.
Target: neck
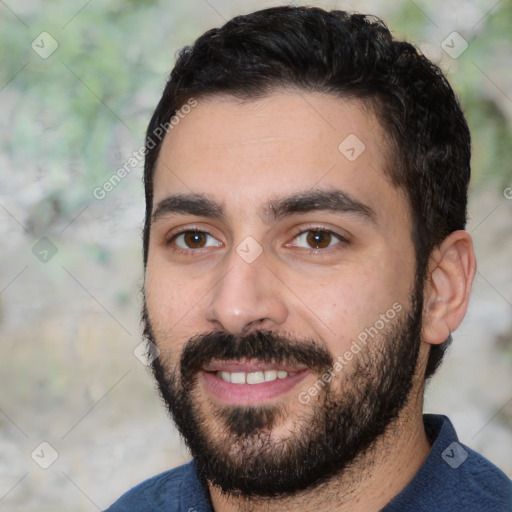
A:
x,y
371,482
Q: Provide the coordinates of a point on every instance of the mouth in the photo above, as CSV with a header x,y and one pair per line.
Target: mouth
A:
x,y
253,377
250,382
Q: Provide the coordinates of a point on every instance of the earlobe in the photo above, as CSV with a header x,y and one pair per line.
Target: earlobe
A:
x,y
451,271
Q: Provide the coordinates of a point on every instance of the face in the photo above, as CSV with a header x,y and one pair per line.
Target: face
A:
x,y
280,288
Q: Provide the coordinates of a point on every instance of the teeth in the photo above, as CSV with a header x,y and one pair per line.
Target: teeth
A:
x,y
270,375
225,376
238,377
253,377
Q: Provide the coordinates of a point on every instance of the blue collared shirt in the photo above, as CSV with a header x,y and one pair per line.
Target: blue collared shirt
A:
x,y
452,478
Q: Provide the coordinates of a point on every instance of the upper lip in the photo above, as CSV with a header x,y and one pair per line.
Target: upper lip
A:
x,y
250,366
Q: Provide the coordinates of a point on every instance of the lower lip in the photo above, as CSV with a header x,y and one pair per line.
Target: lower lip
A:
x,y
249,394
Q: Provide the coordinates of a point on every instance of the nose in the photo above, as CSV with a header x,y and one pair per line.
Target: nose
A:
x,y
247,297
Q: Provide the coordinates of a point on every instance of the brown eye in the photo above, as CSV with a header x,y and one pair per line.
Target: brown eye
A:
x,y
319,239
194,239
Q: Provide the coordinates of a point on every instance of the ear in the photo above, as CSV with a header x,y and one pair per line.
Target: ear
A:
x,y
451,270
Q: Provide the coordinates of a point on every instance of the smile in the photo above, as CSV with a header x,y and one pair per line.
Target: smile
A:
x,y
249,382
253,377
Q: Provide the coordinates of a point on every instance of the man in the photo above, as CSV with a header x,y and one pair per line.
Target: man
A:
x,y
305,265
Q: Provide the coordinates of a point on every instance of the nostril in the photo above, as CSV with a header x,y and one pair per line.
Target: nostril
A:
x,y
256,323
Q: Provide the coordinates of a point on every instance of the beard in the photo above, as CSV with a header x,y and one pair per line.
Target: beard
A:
x,y
235,447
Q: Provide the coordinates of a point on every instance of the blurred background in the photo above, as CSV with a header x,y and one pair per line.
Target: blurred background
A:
x,y
80,421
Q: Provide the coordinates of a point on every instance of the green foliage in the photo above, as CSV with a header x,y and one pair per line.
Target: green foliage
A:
x,y
75,117
481,78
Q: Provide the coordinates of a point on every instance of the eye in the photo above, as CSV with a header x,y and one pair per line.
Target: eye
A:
x,y
194,239
316,239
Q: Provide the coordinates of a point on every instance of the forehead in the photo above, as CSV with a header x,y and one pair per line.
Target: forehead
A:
x,y
244,152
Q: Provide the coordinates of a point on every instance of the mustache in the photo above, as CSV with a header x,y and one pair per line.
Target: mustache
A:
x,y
265,346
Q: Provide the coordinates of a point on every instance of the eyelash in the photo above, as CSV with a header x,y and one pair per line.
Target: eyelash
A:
x,y
190,252
320,229
184,252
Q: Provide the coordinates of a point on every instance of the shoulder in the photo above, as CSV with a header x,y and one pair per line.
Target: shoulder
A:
x,y
454,477
161,492
466,474
479,481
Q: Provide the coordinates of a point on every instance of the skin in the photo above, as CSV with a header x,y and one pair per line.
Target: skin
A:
x,y
245,154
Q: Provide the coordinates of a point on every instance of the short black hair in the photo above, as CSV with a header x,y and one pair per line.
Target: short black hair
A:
x,y
352,56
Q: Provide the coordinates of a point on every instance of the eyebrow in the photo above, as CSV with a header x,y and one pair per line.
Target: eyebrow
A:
x,y
188,204
333,200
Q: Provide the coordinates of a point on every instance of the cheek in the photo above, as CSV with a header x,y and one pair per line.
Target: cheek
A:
x,y
173,305
333,308
341,307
